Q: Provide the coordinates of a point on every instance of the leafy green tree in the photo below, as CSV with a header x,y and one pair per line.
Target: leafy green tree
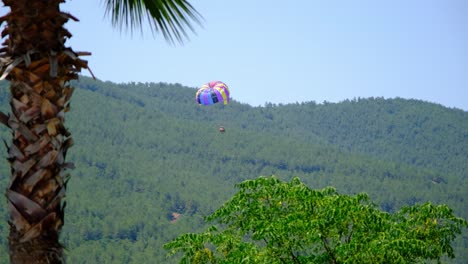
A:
x,y
39,66
271,221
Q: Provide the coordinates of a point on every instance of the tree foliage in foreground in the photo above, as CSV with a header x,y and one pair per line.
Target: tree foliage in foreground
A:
x,y
271,221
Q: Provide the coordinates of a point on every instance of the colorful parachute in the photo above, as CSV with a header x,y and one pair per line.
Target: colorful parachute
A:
x,y
212,93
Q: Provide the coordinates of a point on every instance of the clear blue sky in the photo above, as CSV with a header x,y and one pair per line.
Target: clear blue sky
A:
x,y
293,51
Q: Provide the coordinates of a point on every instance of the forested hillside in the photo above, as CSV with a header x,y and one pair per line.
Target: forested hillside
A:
x,y
150,162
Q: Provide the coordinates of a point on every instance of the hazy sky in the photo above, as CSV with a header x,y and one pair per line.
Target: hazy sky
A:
x,y
297,50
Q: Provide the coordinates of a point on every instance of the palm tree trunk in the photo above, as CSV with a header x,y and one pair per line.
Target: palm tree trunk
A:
x,y
39,67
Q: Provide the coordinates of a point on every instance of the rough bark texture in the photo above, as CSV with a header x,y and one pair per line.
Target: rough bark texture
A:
x,y
39,67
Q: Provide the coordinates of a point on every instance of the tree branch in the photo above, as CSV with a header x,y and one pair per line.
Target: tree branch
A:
x,y
328,249
294,257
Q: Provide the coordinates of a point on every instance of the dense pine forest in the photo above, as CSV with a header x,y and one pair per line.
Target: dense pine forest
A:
x,y
151,163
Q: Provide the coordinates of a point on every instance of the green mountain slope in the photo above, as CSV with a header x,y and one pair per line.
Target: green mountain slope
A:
x,y
409,131
146,151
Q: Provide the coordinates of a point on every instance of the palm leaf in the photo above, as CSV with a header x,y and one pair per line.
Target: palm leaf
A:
x,y
169,17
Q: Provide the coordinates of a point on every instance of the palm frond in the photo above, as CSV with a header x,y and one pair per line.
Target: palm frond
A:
x,y
169,17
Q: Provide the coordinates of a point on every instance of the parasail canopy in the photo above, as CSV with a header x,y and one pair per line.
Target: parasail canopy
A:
x,y
212,93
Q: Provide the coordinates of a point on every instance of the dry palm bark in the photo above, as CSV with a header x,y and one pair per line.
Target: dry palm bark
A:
x,y
39,67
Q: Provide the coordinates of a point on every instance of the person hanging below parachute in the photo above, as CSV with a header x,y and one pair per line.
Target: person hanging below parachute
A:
x,y
212,93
